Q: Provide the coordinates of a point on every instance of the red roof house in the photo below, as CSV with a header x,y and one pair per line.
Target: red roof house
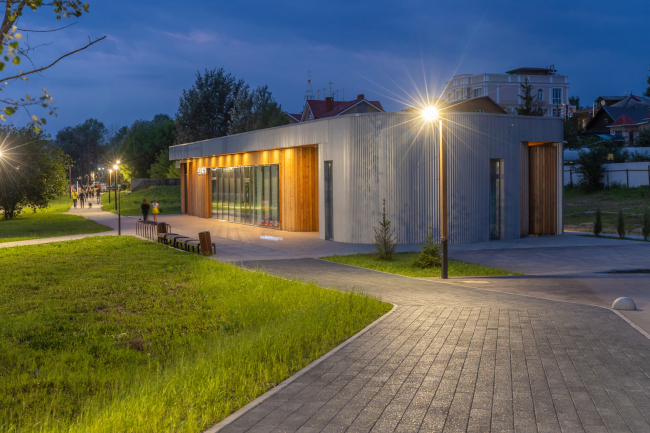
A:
x,y
316,109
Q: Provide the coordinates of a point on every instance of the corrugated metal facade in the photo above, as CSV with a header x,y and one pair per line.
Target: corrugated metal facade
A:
x,y
394,156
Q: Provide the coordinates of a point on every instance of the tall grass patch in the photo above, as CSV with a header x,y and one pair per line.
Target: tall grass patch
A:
x,y
116,334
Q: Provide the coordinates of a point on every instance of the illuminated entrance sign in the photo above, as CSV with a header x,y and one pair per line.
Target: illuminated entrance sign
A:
x,y
202,170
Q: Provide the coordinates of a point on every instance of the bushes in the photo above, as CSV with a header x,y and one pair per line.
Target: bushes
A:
x,y
384,242
429,253
591,168
598,225
620,224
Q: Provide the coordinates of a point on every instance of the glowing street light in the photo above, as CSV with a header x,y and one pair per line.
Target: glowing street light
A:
x,y
431,114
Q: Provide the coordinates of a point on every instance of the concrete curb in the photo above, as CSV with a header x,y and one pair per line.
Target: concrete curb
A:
x,y
270,393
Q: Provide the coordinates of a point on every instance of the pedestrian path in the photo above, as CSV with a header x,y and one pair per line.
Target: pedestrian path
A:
x,y
454,358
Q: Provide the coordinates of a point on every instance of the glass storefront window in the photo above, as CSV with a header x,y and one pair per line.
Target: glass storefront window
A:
x,y
248,194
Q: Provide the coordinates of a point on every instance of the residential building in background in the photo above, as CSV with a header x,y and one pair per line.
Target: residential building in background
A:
x,y
550,88
623,120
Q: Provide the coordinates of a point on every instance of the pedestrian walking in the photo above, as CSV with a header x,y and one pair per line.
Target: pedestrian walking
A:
x,y
99,190
145,209
74,198
82,199
155,210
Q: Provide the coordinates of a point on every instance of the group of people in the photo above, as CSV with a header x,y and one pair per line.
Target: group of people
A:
x,y
146,207
86,194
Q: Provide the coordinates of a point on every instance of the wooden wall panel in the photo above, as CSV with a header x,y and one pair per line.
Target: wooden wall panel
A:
x,y
543,189
183,186
298,183
524,189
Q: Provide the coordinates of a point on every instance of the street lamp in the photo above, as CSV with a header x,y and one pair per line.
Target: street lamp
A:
x,y
431,114
110,184
117,200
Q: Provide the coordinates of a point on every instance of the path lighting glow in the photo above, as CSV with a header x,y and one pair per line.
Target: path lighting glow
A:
x,y
430,114
115,167
0,153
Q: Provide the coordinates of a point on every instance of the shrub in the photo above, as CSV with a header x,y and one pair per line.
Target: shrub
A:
x,y
591,168
645,225
429,253
385,237
598,225
620,224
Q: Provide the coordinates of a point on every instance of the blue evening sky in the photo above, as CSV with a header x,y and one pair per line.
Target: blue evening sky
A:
x,y
384,49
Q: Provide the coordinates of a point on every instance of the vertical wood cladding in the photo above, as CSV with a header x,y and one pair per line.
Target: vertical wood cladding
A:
x,y
543,189
524,188
298,183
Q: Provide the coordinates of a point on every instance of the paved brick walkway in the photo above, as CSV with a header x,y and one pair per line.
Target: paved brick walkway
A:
x,y
454,358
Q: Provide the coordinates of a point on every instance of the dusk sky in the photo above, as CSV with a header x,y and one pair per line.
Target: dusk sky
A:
x,y
384,49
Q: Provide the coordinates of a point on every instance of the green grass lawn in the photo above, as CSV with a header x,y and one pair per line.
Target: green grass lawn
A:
x,y
580,208
169,198
401,264
115,334
47,223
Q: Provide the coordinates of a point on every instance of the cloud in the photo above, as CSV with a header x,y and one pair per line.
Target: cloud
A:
x,y
197,36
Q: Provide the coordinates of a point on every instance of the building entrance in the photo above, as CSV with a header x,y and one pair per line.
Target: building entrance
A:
x,y
248,195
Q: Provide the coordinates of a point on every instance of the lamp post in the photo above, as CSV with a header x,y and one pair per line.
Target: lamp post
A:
x,y
110,180
117,199
431,114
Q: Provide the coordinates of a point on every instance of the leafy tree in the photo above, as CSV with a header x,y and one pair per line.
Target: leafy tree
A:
x,y
204,110
575,101
429,253
620,224
643,139
590,166
530,105
384,242
32,170
647,90
85,143
163,168
14,48
143,141
598,224
254,110
645,226
571,131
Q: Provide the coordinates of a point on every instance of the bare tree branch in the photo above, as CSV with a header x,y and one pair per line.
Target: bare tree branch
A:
x,y
54,62
47,31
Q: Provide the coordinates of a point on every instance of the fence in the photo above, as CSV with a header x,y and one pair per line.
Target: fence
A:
x,y
631,174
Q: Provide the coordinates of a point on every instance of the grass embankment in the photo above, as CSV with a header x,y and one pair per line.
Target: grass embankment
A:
x,y
169,198
401,265
47,223
111,334
580,208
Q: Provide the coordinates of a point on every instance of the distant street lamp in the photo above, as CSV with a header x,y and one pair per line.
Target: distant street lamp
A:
x,y
110,184
431,114
117,200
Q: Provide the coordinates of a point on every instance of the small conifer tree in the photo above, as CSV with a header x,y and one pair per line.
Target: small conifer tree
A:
x,y
385,243
429,253
598,225
645,226
620,224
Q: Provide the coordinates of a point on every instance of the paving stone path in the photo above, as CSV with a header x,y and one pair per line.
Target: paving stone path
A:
x,y
456,359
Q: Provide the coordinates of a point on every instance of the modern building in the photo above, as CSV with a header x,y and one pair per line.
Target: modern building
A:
x,y
550,88
331,175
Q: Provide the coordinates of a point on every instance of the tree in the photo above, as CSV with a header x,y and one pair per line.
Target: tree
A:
x,y
429,253
647,90
590,166
571,131
32,170
163,168
620,224
598,224
254,110
143,141
204,110
645,225
85,143
575,101
643,139
14,48
530,106
384,242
